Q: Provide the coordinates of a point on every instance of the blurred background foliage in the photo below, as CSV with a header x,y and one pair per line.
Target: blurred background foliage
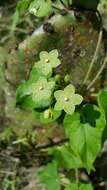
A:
x,y
21,40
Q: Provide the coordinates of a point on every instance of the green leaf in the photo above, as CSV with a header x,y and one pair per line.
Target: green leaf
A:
x,y
40,8
72,186
67,158
67,99
35,74
85,186
27,102
82,186
92,114
102,100
25,89
84,140
21,7
49,177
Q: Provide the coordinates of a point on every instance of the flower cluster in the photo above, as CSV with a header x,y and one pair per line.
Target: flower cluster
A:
x,y
39,91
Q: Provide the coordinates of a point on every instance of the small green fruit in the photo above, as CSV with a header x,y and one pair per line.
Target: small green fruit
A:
x,y
47,114
58,78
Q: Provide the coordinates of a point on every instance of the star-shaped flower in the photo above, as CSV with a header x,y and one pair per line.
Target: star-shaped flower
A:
x,y
41,92
48,61
67,99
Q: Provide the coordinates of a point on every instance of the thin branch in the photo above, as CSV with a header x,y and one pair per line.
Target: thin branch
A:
x,y
77,177
52,144
94,57
99,72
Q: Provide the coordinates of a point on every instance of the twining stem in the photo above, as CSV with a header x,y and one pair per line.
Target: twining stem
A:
x,y
94,57
99,72
77,177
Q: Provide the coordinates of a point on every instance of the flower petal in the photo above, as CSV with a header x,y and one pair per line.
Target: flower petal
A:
x,y
44,55
58,94
55,62
53,53
77,99
58,106
46,68
69,109
70,89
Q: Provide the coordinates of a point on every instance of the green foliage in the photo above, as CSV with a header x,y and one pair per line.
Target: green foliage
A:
x,y
22,7
40,8
102,100
83,129
93,115
52,100
82,137
67,158
38,94
49,176
86,186
38,91
72,186
43,8
82,186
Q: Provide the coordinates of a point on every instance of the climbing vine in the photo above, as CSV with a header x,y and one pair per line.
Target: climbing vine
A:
x,y
53,98
55,101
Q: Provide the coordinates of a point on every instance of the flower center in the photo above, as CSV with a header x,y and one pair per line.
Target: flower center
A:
x,y
41,88
47,61
66,99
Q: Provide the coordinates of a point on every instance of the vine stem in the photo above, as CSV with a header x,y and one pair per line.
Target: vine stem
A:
x,y
94,57
77,177
99,72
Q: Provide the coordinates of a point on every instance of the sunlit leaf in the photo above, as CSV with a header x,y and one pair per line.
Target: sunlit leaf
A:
x,y
40,8
102,100
67,158
82,186
35,93
85,140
